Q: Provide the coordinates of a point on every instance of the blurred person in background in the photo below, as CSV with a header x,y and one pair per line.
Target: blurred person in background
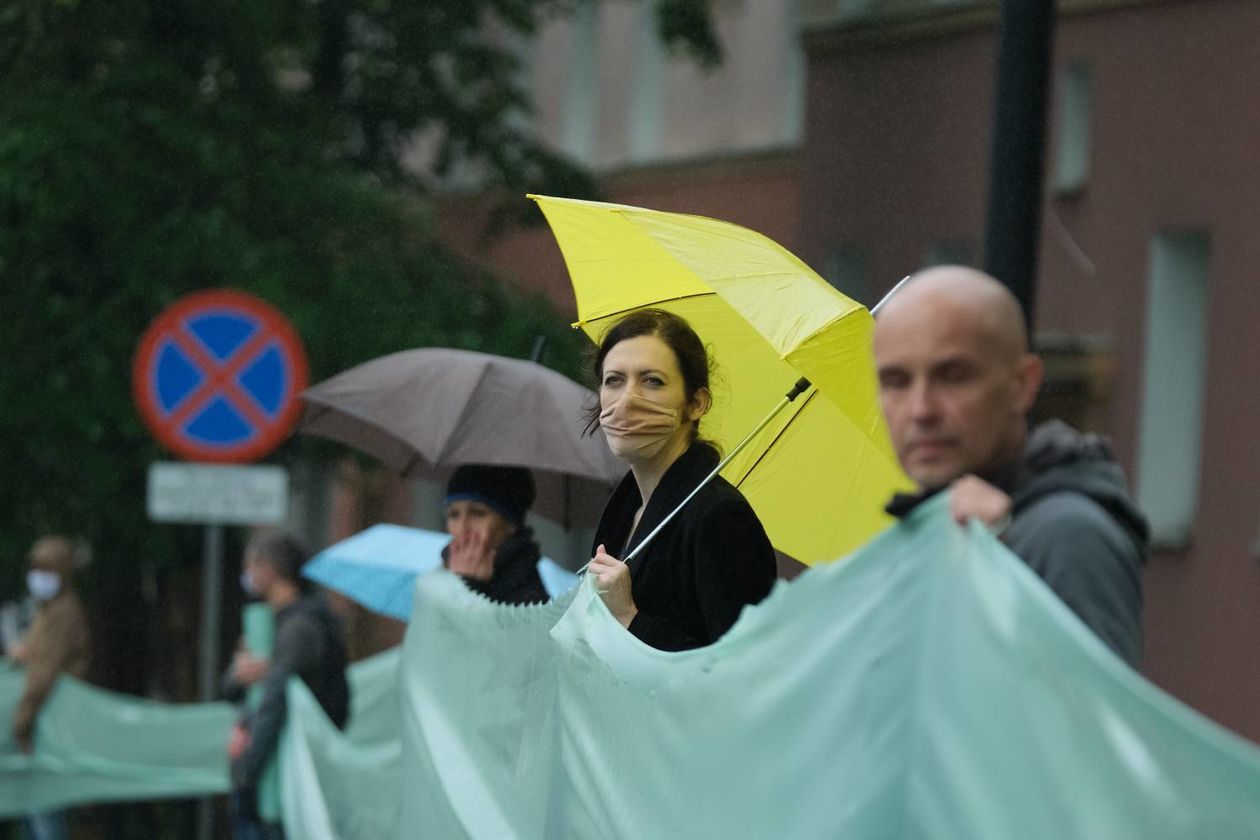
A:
x,y
491,547
57,642
309,644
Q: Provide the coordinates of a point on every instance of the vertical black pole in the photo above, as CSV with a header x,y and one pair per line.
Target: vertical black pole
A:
x,y
208,663
1019,139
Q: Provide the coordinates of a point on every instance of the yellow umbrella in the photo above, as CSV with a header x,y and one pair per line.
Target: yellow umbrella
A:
x,y
820,472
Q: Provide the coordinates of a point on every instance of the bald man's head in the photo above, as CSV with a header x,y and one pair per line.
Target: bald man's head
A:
x,y
988,307
956,378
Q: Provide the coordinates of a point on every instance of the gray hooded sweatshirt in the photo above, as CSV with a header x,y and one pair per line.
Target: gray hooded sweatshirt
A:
x,y
1075,525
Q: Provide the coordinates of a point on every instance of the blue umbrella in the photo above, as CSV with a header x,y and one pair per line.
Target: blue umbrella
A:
x,y
378,567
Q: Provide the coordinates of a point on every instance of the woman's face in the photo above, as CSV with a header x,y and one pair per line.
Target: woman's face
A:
x,y
642,384
467,515
645,365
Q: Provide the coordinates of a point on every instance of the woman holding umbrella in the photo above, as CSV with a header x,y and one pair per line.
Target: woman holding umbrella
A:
x,y
688,585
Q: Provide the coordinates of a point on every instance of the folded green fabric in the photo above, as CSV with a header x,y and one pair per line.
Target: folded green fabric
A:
x,y
929,686
258,625
345,785
97,746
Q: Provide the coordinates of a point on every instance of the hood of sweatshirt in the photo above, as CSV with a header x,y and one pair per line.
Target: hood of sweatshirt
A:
x,y
1058,458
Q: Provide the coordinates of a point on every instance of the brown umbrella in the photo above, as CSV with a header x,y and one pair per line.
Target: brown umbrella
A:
x,y
424,412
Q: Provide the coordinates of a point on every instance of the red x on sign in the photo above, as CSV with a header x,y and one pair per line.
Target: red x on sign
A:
x,y
217,375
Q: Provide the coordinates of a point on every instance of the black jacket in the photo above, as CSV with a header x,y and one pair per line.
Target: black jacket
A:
x,y
515,579
1075,525
311,645
692,580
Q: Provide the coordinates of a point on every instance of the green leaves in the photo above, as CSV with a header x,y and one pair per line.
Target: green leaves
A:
x,y
152,147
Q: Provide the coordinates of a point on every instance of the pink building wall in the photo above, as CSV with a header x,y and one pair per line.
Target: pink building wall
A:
x,y
895,159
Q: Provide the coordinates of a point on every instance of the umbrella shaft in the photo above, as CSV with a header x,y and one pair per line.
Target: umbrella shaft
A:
x,y
875,309
801,386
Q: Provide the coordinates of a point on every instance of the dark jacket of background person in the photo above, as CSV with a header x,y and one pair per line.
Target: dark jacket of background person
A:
x,y
1075,525
692,580
515,579
311,645
57,643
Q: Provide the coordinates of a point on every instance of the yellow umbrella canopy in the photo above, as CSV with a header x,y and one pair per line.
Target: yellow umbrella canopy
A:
x,y
820,474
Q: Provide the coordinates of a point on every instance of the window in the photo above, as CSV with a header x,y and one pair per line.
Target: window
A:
x,y
647,90
846,269
1175,370
1071,150
792,105
581,102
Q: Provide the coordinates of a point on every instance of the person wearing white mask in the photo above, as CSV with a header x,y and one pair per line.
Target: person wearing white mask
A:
x,y
689,584
57,643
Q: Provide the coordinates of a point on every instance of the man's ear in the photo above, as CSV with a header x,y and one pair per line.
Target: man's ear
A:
x,y
701,402
1028,377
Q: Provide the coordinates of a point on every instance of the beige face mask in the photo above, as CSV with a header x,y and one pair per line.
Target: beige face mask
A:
x,y
638,428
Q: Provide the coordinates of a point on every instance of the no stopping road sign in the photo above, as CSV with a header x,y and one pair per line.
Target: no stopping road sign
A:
x,y
216,377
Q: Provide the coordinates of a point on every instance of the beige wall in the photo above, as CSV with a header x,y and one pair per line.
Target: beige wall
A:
x,y
758,191
606,71
658,131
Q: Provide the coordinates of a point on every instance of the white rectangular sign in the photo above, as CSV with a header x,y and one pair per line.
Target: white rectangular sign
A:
x,y
215,494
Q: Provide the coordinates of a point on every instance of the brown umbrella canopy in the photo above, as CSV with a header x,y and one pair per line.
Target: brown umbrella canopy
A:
x,y
424,412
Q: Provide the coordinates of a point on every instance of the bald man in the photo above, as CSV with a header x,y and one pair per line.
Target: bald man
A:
x,y
956,383
57,642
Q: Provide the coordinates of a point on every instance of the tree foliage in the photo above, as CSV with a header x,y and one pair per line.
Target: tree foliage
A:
x,y
152,147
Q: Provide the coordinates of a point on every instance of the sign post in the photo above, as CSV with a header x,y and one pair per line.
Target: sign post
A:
x,y
211,609
216,379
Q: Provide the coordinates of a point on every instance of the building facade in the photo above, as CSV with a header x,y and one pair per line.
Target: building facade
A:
x,y
1147,265
656,129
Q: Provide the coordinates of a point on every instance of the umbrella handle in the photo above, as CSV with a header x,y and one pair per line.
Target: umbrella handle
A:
x,y
802,385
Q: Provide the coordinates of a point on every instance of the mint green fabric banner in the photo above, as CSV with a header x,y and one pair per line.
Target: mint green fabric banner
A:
x,y
98,746
346,785
258,625
929,686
